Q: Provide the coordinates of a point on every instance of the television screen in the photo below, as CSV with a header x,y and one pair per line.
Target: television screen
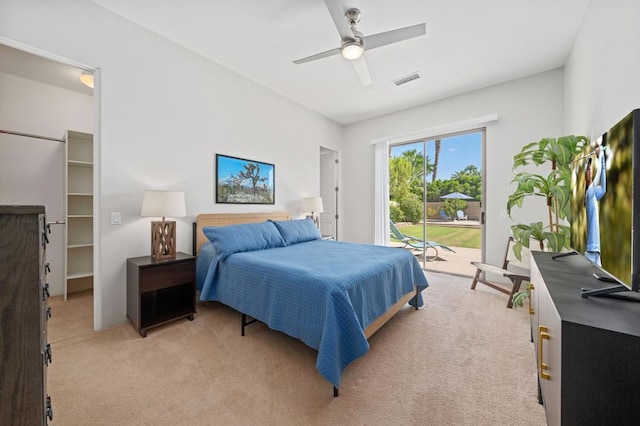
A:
x,y
604,204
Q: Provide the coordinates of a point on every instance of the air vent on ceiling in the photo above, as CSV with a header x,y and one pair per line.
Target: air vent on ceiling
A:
x,y
406,78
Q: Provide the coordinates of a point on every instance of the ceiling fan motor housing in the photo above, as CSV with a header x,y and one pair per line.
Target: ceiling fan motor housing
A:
x,y
352,48
353,16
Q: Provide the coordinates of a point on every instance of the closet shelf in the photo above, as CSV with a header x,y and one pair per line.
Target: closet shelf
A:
x,y
79,274
79,163
79,245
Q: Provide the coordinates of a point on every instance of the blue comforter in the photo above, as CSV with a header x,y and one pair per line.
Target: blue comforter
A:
x,y
324,293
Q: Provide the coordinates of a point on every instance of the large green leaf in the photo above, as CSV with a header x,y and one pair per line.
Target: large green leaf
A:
x,y
555,241
523,234
561,150
569,147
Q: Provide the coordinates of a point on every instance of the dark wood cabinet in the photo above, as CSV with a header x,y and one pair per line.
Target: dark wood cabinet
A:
x,y
587,349
24,350
159,291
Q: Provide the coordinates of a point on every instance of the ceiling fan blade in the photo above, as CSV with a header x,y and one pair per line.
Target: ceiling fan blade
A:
x,y
360,65
321,55
337,11
394,36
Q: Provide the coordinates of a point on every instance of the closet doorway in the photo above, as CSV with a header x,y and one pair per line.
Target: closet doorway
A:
x,y
45,105
435,197
329,191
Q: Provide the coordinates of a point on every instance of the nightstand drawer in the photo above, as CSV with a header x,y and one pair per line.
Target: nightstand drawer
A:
x,y
163,276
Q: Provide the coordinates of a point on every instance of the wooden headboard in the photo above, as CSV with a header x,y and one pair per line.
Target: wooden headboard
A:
x,y
224,219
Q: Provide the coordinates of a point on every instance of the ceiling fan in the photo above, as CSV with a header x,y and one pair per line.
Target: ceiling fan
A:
x,y
354,43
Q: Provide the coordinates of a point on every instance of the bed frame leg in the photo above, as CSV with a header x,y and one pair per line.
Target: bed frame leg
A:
x,y
335,392
246,323
415,300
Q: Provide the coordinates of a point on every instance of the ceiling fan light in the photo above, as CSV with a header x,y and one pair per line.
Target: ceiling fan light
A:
x,y
352,50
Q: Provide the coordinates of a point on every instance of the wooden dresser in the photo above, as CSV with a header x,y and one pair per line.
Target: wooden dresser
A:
x,y
587,350
24,351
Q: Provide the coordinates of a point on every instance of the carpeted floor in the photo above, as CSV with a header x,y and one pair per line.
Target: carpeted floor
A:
x,y
464,359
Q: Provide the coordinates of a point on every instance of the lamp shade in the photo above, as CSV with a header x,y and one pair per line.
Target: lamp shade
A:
x,y
163,204
312,204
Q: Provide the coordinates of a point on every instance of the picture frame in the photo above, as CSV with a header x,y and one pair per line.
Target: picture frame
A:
x,y
243,181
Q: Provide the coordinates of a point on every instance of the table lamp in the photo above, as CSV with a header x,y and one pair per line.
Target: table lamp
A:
x,y
163,233
313,204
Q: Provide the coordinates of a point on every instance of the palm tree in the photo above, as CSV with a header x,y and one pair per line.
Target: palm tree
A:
x,y
417,159
437,160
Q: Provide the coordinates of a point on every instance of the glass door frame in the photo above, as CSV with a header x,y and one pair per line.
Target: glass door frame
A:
x,y
424,141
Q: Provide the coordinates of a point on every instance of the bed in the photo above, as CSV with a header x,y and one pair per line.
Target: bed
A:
x,y
331,295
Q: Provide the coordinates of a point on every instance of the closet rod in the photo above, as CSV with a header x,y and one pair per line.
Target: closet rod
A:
x,y
8,132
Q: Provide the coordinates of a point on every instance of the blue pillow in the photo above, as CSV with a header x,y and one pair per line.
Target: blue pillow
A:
x,y
297,231
245,237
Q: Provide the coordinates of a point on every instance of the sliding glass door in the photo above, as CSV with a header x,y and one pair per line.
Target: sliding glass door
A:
x,y
435,200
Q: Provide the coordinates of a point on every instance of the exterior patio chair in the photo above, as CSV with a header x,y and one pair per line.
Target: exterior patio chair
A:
x,y
461,215
417,243
506,270
443,215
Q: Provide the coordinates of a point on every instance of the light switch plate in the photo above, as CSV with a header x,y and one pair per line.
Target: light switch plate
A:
x,y
116,219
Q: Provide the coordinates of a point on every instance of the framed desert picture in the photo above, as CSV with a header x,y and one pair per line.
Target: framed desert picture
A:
x,y
242,181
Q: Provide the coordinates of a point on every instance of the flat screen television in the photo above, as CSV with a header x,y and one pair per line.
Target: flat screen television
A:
x,y
605,213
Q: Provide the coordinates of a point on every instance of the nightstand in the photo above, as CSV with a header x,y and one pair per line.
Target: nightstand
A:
x,y
159,291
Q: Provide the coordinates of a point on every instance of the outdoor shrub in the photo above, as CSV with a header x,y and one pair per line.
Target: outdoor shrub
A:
x,y
395,213
451,206
412,208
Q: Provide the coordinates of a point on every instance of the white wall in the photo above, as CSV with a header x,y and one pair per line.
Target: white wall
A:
x,y
528,109
602,74
32,170
165,112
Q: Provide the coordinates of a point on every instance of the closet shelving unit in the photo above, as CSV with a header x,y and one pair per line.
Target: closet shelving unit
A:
x,y
79,212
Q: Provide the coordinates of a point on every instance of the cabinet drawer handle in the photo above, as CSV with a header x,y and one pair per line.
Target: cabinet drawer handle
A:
x,y
49,408
47,354
48,314
45,292
47,268
543,331
531,287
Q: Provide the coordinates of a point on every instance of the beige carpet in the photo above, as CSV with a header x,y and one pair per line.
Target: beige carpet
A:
x,y
464,359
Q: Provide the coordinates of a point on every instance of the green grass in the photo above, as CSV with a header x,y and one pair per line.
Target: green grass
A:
x,y
447,235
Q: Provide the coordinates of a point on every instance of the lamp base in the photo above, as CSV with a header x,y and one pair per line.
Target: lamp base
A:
x,y
314,219
163,240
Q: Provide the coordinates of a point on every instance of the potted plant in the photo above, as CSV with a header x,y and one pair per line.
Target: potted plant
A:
x,y
555,187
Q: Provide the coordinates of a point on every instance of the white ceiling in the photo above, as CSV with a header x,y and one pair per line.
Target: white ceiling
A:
x,y
469,44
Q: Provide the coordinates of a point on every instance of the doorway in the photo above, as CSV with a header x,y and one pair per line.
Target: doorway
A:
x,y
48,98
436,198
329,190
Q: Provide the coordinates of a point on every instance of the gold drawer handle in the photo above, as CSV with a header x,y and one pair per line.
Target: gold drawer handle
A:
x,y
531,287
543,367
